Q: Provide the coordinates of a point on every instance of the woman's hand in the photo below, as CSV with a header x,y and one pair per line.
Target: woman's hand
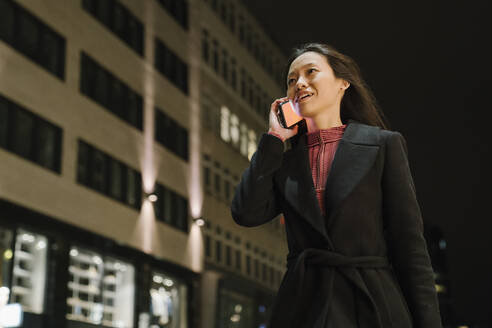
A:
x,y
275,126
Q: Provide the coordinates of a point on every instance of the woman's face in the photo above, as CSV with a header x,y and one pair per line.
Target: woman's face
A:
x,y
312,84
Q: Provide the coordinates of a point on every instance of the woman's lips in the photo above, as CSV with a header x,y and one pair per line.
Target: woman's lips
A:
x,y
304,99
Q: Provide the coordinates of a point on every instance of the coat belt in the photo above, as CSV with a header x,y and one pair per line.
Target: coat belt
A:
x,y
306,291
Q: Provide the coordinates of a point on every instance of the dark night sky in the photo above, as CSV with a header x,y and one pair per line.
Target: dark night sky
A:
x,y
428,64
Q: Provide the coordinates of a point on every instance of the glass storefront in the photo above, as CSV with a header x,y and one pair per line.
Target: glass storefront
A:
x,y
101,290
235,310
168,302
43,267
6,256
29,271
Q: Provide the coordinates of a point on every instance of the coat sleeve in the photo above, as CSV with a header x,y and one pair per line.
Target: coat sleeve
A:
x,y
255,198
406,244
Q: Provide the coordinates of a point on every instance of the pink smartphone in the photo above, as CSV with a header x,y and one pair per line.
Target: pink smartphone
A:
x,y
288,114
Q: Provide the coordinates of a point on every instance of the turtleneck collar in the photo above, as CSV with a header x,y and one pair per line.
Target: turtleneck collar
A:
x,y
325,135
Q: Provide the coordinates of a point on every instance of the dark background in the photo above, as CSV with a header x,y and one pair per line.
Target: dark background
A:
x,y
428,63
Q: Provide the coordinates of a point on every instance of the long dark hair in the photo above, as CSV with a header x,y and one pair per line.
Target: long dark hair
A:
x,y
358,102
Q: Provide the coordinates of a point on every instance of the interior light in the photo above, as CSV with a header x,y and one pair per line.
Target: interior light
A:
x,y
28,238
41,244
8,254
235,317
158,279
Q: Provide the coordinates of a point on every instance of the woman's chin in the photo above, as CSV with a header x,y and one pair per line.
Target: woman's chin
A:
x,y
306,113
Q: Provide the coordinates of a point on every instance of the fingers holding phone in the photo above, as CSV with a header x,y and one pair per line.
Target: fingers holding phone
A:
x,y
283,118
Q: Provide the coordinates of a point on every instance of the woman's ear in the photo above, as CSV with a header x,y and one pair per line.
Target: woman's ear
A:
x,y
345,85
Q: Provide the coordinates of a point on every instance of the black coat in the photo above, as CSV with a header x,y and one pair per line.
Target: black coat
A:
x,y
363,263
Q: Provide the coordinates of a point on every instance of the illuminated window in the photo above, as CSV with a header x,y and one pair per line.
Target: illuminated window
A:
x,y
29,274
235,130
244,140
101,291
168,302
225,124
251,143
236,310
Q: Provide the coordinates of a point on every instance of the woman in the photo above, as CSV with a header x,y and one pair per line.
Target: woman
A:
x,y
357,256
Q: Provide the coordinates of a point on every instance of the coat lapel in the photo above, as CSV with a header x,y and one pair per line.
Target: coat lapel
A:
x,y
355,155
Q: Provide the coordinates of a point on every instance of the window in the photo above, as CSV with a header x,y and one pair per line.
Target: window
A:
x,y
7,254
234,130
236,310
224,124
29,136
241,30
101,172
206,177
228,255
178,9
251,143
171,66
46,145
116,180
225,66
248,36
227,188
215,5
171,208
119,20
218,251
258,102
243,83
250,90
168,205
238,259
223,11
244,140
171,134
217,183
33,38
104,88
168,297
232,18
23,133
29,273
182,213
4,122
133,191
101,290
248,265
215,56
7,21
233,74
205,46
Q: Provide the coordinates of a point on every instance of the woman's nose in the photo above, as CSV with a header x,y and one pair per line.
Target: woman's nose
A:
x,y
301,83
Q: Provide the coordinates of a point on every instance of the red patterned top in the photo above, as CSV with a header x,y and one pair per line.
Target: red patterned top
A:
x,y
322,145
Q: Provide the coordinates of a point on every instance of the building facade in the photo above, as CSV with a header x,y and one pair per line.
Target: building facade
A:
x,y
121,124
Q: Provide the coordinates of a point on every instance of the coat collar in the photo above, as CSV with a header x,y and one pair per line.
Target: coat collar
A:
x,y
355,155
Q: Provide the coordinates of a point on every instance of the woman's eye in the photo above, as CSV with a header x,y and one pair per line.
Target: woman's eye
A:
x,y
289,82
311,70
